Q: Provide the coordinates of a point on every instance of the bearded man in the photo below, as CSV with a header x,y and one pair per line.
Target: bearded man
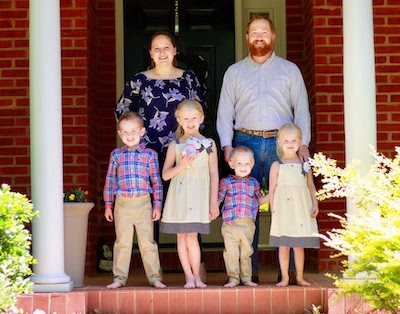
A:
x,y
259,94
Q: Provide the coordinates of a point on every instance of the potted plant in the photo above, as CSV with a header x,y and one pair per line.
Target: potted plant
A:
x,y
76,214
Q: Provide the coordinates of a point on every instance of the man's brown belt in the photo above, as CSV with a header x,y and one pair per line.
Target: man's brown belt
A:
x,y
260,133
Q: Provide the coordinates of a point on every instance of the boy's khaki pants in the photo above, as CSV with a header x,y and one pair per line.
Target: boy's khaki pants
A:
x,y
238,239
131,213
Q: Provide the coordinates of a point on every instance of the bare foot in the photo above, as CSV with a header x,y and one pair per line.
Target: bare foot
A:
x,y
190,284
158,284
282,283
199,283
114,285
303,283
230,284
249,284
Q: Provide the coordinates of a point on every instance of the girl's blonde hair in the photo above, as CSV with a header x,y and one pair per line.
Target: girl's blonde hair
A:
x,y
285,128
187,104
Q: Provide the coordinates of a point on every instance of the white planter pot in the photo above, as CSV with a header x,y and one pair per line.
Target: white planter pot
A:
x,y
75,236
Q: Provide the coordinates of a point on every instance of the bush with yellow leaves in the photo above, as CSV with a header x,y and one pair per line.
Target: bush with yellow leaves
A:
x,y
372,237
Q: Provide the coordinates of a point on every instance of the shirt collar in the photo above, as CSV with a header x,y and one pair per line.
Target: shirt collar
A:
x,y
139,148
235,177
269,60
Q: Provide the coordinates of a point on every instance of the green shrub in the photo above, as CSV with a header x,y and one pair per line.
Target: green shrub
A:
x,y
372,237
15,240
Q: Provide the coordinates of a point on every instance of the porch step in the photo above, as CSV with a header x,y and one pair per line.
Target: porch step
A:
x,y
214,299
264,299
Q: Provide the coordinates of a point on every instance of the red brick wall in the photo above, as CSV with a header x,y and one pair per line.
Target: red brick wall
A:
x,y
75,98
102,101
89,37
328,109
387,65
14,95
92,118
88,55
79,85
88,78
329,91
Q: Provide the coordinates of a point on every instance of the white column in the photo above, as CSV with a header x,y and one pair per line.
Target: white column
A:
x,y
359,84
46,147
359,89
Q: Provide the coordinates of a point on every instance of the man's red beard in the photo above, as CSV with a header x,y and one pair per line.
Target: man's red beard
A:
x,y
259,51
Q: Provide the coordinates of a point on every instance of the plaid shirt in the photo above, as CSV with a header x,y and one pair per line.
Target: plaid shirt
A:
x,y
133,172
241,197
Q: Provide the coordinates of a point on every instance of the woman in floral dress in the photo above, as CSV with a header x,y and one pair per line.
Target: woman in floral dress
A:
x,y
155,94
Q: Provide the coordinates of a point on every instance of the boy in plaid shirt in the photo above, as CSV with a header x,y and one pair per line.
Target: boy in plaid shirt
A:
x,y
133,174
242,195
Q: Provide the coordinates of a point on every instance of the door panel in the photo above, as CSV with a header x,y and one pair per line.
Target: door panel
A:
x,y
202,28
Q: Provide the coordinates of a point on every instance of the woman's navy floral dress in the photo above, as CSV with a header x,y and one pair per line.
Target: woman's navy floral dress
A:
x,y
156,101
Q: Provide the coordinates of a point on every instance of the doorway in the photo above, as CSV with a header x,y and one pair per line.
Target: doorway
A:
x,y
202,28
204,32
207,28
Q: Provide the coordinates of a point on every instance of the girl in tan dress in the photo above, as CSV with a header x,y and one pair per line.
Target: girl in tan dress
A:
x,y
294,207
192,166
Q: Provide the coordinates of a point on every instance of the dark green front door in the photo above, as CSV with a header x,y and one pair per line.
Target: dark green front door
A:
x,y
204,32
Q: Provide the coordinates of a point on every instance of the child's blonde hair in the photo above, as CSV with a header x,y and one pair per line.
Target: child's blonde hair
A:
x,y
285,128
241,149
187,104
131,116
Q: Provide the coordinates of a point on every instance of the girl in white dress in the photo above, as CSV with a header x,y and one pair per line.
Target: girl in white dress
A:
x,y
192,166
294,207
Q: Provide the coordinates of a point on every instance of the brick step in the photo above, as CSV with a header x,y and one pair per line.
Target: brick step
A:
x,y
213,299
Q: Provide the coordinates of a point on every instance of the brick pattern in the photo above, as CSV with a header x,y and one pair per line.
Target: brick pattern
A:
x,y
349,304
328,107
387,64
61,303
14,95
74,54
262,299
303,48
214,299
101,122
325,85
329,128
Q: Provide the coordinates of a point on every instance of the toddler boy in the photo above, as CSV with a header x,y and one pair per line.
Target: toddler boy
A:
x,y
242,196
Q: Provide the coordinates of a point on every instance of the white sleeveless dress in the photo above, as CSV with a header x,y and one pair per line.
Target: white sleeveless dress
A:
x,y
292,224
186,207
